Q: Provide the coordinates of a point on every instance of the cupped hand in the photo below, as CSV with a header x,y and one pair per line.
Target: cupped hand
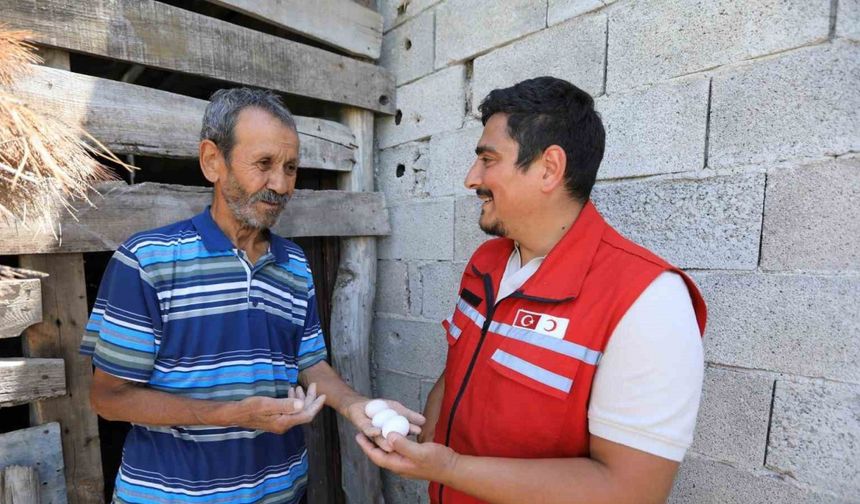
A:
x,y
278,415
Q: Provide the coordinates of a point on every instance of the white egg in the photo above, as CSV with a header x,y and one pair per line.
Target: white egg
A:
x,y
375,406
397,424
380,418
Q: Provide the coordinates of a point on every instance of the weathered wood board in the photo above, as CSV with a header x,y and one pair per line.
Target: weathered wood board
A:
x,y
24,380
352,317
64,304
20,305
343,24
19,485
123,210
38,447
132,119
162,36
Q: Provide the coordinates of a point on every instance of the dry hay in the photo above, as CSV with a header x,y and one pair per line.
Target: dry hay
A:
x,y
44,163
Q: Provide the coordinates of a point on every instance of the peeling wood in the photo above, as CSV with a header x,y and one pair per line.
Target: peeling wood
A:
x,y
342,24
25,380
123,210
134,119
158,35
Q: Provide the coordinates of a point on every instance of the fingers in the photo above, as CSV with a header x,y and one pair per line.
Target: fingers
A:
x,y
413,417
291,406
404,446
311,393
299,392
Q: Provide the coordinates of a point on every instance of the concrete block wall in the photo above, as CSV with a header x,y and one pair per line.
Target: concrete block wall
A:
x,y
733,151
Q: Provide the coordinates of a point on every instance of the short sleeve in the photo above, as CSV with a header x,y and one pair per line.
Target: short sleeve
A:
x,y
123,332
312,345
648,386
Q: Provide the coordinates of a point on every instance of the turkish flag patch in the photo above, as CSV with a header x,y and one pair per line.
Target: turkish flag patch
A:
x,y
542,323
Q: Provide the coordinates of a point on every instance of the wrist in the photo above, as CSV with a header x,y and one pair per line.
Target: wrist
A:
x,y
225,414
347,402
450,470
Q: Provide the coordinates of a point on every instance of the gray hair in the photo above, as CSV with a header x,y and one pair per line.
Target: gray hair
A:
x,y
221,114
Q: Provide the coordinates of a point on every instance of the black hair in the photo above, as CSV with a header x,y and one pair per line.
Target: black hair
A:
x,y
548,111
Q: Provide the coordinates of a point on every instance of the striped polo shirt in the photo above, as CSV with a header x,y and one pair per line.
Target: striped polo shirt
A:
x,y
181,310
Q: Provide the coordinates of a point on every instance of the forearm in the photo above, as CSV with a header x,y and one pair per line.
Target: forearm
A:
x,y
338,394
562,481
432,409
142,405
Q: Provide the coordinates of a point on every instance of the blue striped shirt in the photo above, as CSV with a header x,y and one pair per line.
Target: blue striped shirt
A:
x,y
182,311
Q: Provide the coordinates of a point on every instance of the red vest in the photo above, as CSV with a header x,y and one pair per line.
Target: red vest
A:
x,y
518,375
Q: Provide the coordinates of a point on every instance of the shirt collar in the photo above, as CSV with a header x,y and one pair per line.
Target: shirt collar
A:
x,y
216,241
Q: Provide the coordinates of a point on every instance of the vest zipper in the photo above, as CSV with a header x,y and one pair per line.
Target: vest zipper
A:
x,y
491,308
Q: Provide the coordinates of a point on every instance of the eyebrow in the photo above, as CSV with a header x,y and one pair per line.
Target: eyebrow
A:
x,y
485,148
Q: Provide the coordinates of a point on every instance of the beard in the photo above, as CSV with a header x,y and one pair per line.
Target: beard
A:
x,y
495,228
243,205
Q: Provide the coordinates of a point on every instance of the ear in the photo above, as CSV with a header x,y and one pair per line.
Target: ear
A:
x,y
211,161
554,164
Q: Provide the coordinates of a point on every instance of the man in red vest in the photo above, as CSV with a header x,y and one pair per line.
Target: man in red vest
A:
x,y
575,361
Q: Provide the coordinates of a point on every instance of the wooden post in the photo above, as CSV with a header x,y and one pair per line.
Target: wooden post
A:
x,y
352,317
19,485
64,311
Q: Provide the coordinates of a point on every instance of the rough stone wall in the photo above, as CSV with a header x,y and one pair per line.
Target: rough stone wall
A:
x,y
733,133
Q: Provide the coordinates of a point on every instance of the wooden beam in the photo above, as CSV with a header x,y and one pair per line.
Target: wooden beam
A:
x,y
352,317
123,210
20,305
64,304
19,484
162,36
343,24
134,119
38,447
24,380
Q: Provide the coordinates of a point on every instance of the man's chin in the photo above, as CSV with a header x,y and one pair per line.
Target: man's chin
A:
x,y
493,228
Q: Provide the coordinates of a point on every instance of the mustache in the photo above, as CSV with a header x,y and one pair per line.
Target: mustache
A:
x,y
484,192
269,196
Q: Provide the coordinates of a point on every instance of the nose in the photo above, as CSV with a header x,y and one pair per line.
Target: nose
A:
x,y
473,177
281,183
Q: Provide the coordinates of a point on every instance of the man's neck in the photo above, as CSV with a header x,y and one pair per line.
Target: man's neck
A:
x,y
253,241
546,231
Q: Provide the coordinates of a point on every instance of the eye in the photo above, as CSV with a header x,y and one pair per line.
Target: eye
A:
x,y
264,164
291,169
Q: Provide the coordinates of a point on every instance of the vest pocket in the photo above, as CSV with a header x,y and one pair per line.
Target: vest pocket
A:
x,y
530,374
527,401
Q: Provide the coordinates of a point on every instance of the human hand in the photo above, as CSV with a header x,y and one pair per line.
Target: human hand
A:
x,y
355,413
426,461
280,415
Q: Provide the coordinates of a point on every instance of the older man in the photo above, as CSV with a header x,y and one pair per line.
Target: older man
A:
x,y
202,330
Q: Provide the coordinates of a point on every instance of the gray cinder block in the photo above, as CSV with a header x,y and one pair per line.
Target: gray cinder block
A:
x,y
429,105
712,222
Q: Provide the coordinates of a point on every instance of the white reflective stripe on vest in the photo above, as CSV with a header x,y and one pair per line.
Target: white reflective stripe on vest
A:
x,y
532,371
563,347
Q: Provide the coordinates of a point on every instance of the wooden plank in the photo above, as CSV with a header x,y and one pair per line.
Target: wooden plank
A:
x,y
38,447
24,380
352,317
123,210
134,119
343,24
64,304
20,485
20,305
162,36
